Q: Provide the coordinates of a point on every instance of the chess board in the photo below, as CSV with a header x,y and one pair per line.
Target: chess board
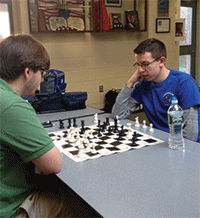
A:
x,y
94,146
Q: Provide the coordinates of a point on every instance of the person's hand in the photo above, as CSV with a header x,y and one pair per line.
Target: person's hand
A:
x,y
137,77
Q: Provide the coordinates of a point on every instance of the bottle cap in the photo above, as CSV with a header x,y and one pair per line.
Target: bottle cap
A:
x,y
174,99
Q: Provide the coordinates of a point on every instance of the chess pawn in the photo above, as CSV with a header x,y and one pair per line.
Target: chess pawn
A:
x,y
128,126
80,151
144,124
129,134
137,122
94,151
151,128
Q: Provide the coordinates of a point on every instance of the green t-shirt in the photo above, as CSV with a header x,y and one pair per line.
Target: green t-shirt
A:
x,y
22,139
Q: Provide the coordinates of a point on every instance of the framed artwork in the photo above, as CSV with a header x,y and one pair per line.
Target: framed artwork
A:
x,y
180,29
132,21
113,3
162,25
163,8
116,21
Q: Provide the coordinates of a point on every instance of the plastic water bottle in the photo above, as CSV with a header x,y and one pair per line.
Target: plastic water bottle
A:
x,y
175,121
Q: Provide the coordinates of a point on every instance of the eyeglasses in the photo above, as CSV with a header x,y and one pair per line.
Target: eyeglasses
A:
x,y
44,73
144,66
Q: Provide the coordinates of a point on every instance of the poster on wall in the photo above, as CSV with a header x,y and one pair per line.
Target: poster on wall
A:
x,y
163,8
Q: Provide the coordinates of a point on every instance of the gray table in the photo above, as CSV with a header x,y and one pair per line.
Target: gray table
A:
x,y
88,111
149,182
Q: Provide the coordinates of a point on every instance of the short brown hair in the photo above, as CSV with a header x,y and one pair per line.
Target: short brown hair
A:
x,y
19,52
154,46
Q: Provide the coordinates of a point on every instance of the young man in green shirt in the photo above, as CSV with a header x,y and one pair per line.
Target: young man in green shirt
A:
x,y
24,143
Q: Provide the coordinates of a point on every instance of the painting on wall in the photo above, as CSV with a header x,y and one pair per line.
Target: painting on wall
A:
x,y
113,3
132,21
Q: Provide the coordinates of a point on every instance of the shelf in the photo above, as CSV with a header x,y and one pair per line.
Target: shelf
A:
x,y
61,16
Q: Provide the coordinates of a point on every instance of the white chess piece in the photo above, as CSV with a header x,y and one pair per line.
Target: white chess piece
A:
x,y
137,121
117,118
94,151
144,124
129,134
151,128
128,125
80,151
87,146
91,134
95,118
71,138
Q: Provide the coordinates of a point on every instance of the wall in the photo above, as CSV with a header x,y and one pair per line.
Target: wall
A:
x,y
93,59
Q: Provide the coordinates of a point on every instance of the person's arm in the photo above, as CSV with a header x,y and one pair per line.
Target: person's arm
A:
x,y
190,128
124,104
50,162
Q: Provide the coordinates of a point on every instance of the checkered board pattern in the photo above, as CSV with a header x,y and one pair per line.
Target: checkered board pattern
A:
x,y
100,146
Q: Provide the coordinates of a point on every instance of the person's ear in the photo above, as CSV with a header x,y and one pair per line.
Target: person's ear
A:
x,y
162,61
27,72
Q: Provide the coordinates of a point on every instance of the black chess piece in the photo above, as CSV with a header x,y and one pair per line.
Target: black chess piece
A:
x,y
116,128
99,133
61,124
99,123
109,130
120,136
69,123
107,121
82,127
74,120
134,139
122,130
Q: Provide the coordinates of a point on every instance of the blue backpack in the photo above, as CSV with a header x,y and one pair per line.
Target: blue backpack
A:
x,y
54,82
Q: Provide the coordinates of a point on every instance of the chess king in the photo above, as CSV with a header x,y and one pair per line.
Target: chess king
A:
x,y
153,85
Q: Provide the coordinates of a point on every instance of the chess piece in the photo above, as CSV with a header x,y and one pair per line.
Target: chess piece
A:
x,y
61,124
128,126
99,133
94,151
69,123
87,147
137,122
80,151
91,135
95,118
74,120
82,127
144,124
120,136
109,130
107,121
122,130
151,128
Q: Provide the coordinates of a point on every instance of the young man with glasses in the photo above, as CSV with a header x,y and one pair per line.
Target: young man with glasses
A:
x,y
153,85
25,144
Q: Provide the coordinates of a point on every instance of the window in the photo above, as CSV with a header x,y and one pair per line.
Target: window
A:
x,y
6,27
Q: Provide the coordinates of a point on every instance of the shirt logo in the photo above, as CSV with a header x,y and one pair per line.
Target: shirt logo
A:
x,y
167,98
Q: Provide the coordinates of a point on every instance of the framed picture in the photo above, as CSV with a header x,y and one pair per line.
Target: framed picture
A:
x,y
132,21
163,8
113,3
162,25
116,21
180,29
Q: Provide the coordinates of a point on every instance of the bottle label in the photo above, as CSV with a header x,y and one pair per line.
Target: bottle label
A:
x,y
175,119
